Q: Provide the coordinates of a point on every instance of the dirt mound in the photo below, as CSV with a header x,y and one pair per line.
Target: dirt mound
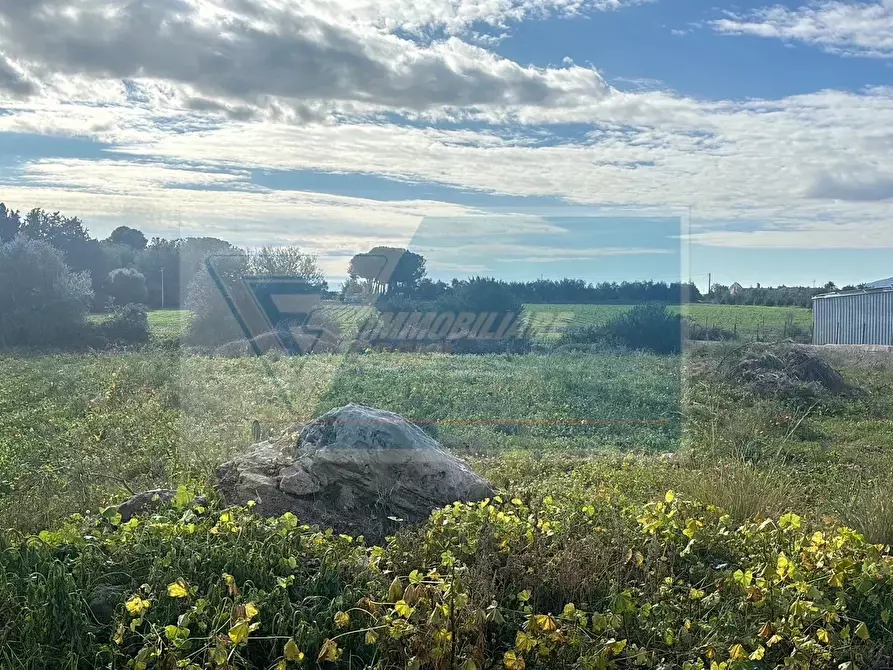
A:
x,y
790,371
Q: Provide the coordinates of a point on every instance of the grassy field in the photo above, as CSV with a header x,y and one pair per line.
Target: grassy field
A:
x,y
66,420
598,553
168,322
749,321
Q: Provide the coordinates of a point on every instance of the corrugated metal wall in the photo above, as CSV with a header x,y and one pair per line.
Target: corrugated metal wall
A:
x,y
857,318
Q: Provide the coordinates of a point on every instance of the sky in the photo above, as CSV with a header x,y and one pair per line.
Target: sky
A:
x,y
600,139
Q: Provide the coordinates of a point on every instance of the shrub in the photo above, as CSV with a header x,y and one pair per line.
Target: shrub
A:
x,y
714,333
126,285
42,301
127,325
645,327
480,294
651,327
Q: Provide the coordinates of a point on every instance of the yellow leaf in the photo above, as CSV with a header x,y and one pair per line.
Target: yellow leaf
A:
x,y
371,637
782,565
670,496
219,655
758,654
617,647
342,619
239,633
137,605
281,665
179,589
737,653
329,652
545,623
251,611
119,635
291,651
823,636
403,608
512,661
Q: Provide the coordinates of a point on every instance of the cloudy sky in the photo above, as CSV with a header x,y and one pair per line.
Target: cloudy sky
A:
x,y
755,139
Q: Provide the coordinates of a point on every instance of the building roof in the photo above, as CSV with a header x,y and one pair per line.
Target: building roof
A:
x,y
881,283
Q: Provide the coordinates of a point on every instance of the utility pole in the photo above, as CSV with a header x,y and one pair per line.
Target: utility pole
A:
x,y
709,283
162,288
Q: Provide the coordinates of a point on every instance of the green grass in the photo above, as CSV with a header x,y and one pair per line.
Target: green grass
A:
x,y
168,323
66,420
747,320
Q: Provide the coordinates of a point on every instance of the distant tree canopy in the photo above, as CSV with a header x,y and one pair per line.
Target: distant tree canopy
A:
x,y
42,301
10,223
388,269
780,296
287,262
213,321
126,285
130,237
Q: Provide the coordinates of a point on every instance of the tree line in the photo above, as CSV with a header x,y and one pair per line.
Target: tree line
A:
x,y
772,296
126,267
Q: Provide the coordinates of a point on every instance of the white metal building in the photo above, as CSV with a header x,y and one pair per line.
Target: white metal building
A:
x,y
855,317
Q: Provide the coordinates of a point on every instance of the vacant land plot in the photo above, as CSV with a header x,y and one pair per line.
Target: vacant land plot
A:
x,y
748,321
75,430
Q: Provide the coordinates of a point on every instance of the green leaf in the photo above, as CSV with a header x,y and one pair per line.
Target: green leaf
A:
x,y
862,631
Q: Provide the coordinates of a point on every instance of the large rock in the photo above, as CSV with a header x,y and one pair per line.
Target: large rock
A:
x,y
359,470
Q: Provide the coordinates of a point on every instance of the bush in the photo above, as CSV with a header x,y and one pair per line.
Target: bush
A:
x,y
126,285
127,325
42,301
651,327
645,327
480,294
697,331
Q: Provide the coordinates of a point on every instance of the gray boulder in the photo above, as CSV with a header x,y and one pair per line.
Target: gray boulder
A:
x,y
356,469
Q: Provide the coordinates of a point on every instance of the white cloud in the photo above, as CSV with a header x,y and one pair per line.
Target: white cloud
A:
x,y
204,91
786,163
847,28
242,57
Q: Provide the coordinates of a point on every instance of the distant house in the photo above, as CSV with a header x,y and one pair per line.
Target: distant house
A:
x,y
735,289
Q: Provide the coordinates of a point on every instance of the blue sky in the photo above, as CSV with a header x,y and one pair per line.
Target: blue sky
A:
x,y
602,139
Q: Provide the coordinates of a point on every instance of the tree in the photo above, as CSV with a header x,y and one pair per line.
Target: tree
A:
x,y
10,223
60,231
42,301
126,285
213,322
130,237
388,268
481,295
287,262
160,264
